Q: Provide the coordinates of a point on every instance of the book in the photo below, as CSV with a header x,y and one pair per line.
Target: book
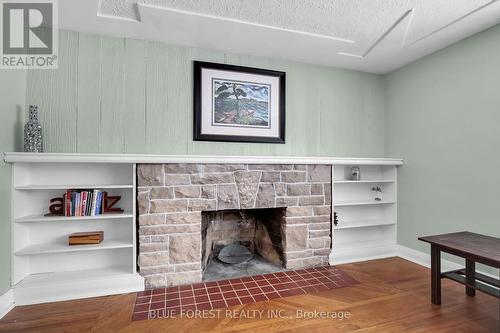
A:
x,y
67,204
83,210
82,238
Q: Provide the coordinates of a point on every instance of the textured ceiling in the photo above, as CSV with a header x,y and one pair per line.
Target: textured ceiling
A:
x,y
361,21
366,31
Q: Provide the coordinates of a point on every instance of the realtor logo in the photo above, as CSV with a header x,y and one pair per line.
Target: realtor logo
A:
x,y
29,34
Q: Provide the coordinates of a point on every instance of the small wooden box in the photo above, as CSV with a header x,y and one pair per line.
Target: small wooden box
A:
x,y
81,238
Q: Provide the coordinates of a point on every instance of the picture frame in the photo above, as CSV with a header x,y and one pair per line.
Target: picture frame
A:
x,y
238,104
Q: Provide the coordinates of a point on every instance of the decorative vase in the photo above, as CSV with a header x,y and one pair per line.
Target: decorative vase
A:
x,y
33,140
355,173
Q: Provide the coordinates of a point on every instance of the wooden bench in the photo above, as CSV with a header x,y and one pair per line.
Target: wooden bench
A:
x,y
473,248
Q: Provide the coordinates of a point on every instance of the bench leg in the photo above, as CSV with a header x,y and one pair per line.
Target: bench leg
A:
x,y
470,277
435,275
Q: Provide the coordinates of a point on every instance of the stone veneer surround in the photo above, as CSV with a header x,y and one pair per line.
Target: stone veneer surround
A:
x,y
171,198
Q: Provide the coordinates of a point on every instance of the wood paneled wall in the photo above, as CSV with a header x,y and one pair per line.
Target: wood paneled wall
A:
x,y
133,96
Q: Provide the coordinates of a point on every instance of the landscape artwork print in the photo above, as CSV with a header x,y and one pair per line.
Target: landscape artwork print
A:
x,y
241,104
238,104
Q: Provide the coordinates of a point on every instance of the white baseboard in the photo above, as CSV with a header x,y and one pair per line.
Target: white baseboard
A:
x,y
6,303
386,251
424,259
362,254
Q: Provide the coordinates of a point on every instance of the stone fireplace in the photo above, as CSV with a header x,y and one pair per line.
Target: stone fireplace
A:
x,y
187,212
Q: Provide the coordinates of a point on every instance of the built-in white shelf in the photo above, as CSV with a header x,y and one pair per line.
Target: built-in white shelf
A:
x,y
38,249
42,218
366,228
363,224
71,187
363,203
364,181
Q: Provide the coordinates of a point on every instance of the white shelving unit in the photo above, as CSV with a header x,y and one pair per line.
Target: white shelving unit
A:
x,y
366,228
44,267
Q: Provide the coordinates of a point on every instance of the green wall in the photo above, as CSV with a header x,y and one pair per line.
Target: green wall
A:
x,y
443,118
441,114
12,101
133,96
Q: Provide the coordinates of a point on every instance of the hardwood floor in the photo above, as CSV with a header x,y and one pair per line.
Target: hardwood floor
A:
x,y
393,296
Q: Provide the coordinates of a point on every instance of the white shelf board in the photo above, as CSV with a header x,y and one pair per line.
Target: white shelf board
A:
x,y
71,187
60,248
363,224
366,181
60,286
54,278
361,203
42,218
13,157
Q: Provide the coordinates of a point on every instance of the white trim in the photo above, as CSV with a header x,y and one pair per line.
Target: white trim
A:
x,y
35,290
6,302
362,254
143,158
424,259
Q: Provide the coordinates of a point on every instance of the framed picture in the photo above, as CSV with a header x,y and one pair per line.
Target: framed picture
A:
x,y
238,104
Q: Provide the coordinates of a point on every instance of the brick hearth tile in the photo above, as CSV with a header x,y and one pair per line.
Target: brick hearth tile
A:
x,y
159,291
203,306
171,290
273,280
250,284
255,291
216,297
172,303
247,299
157,305
267,289
200,292
211,284
219,294
198,286
188,308
141,307
158,298
239,286
260,297
213,290
242,292
142,300
139,316
201,299
272,295
219,304
226,288
172,296
233,302
187,301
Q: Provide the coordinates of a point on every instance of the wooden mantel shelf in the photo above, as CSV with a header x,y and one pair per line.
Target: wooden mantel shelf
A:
x,y
145,158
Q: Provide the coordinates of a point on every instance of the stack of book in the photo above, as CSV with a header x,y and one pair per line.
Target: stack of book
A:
x,y
83,202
